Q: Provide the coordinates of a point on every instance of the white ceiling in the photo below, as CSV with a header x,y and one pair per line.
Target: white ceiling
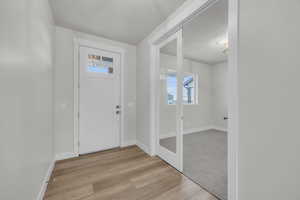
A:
x,y
202,35
127,21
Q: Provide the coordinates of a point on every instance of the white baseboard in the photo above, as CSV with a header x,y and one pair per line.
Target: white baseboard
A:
x,y
219,128
63,156
167,135
45,181
67,155
143,147
195,130
187,131
128,143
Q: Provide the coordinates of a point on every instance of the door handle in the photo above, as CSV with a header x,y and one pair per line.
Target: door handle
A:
x,y
225,118
118,112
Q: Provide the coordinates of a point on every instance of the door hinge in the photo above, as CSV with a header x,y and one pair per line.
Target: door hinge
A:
x,y
78,115
78,143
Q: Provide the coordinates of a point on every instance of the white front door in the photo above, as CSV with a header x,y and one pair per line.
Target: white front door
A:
x,y
99,100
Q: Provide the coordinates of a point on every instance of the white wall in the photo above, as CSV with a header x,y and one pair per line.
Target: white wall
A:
x,y
145,119
64,96
269,96
197,117
143,95
26,78
212,98
63,91
219,95
210,111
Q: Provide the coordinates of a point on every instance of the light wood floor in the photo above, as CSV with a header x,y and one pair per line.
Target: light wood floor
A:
x,y
120,174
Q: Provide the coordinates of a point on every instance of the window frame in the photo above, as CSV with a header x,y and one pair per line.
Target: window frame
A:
x,y
195,96
104,75
196,85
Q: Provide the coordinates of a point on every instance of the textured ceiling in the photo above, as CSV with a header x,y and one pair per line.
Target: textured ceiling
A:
x,y
127,21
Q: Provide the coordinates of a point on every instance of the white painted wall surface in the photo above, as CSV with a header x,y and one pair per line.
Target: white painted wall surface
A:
x,y
219,95
212,97
143,94
26,79
64,94
269,96
63,91
197,116
145,113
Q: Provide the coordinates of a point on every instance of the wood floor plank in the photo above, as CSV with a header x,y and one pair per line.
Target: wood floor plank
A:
x,y
77,194
103,167
81,169
74,182
110,181
183,191
120,174
95,157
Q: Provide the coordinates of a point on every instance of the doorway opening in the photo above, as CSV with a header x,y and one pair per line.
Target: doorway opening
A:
x,y
195,105
205,49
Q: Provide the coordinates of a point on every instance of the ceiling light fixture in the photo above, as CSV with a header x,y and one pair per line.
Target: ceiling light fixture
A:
x,y
224,44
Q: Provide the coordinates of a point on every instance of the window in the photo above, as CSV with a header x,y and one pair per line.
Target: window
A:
x,y
100,64
171,88
189,93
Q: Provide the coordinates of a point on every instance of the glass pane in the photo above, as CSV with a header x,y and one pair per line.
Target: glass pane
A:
x,y
168,96
99,64
171,88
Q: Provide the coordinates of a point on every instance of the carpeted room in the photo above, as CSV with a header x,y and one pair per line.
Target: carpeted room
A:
x,y
204,99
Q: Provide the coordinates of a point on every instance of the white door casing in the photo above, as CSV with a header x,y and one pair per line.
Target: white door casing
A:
x,y
99,96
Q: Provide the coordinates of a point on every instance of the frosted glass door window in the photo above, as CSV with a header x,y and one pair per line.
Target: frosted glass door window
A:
x,y
100,64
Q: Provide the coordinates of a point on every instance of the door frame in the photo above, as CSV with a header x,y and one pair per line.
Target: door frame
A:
x,y
79,42
173,23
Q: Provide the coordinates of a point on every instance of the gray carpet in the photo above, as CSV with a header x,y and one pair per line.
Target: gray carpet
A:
x,y
205,159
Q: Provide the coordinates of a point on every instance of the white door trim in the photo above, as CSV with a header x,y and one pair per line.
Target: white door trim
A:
x,y
173,22
233,99
102,46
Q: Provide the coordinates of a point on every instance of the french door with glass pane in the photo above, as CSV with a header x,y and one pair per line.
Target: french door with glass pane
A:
x,y
169,100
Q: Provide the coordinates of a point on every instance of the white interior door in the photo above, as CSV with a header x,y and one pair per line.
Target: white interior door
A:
x,y
99,100
169,112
